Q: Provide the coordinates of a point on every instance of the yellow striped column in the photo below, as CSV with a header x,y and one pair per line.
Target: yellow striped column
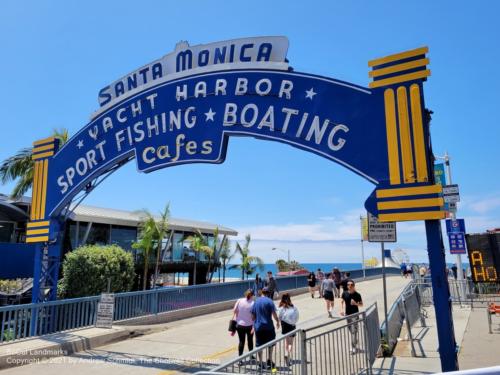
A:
x,y
409,194
400,76
38,227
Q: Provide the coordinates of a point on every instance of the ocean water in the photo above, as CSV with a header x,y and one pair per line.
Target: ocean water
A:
x,y
325,267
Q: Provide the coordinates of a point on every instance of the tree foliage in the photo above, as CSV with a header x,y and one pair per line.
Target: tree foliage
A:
x,y
152,232
19,167
87,269
249,263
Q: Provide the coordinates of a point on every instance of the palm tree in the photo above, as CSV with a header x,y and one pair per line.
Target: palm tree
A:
x,y
282,265
199,245
225,255
20,167
157,229
249,263
147,234
161,229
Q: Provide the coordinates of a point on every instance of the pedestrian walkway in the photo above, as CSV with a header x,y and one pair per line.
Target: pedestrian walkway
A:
x,y
479,348
427,359
190,345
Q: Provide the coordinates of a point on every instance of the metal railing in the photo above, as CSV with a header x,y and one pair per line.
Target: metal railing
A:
x,y
342,346
28,320
407,308
464,292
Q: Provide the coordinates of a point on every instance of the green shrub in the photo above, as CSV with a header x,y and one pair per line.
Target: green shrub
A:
x,y
87,269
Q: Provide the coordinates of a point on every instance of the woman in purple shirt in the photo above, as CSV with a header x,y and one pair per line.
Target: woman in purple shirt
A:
x,y
242,313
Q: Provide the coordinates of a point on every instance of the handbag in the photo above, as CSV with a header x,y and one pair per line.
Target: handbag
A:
x,y
232,326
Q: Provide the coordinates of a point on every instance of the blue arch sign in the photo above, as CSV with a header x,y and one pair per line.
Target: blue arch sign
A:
x,y
184,108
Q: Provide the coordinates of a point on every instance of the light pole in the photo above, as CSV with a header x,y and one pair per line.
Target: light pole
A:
x,y
288,254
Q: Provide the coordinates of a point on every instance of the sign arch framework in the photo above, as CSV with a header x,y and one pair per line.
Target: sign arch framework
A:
x,y
187,116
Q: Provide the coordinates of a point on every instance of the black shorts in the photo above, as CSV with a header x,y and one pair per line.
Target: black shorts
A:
x,y
263,336
285,327
328,295
312,284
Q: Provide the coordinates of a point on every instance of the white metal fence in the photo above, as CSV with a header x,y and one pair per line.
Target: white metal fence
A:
x,y
342,346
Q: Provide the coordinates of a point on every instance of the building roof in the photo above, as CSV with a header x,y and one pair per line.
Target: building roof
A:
x,y
121,217
132,218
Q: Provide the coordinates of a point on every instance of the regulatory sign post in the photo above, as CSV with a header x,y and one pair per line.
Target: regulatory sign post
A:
x,y
382,232
105,310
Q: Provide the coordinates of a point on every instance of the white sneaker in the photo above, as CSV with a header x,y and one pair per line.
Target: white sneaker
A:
x,y
353,351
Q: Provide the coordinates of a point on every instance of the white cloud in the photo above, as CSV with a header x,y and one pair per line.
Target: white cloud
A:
x,y
344,227
482,205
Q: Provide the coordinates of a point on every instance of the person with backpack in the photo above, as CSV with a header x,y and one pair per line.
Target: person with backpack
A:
x,y
288,315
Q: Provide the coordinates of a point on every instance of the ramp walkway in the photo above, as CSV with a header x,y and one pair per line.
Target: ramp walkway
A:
x,y
188,345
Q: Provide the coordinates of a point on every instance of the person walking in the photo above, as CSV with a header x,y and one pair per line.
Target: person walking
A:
x,y
345,280
311,282
351,302
263,312
337,279
271,285
242,313
320,276
326,290
258,284
288,315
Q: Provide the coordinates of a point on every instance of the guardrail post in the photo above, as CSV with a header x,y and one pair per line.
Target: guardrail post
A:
x,y
154,302
368,349
489,318
34,320
408,327
303,352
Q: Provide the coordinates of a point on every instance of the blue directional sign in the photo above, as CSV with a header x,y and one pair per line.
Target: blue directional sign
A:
x,y
455,225
456,235
457,243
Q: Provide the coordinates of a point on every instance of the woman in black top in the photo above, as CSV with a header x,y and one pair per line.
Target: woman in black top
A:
x,y
311,282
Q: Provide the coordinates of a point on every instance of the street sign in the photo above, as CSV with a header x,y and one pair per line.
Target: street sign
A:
x,y
439,175
105,310
457,243
450,189
381,232
451,193
455,226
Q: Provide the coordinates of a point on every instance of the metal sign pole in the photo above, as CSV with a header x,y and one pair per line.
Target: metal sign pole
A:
x,y
441,296
363,259
385,287
453,215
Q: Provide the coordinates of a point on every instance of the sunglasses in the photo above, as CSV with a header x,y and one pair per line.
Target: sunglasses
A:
x,y
350,284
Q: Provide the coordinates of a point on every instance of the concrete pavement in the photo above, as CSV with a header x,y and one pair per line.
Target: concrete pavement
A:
x,y
190,345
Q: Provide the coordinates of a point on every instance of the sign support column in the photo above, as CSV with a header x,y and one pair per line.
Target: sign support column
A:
x,y
385,287
441,297
453,215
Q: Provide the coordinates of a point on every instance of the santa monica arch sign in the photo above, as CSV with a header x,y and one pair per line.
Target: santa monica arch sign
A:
x,y
184,107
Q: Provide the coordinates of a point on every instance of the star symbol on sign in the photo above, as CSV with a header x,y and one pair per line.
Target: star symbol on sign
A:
x,y
310,93
209,115
80,144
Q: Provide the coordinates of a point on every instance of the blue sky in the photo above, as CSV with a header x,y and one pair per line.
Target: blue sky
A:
x,y
56,55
